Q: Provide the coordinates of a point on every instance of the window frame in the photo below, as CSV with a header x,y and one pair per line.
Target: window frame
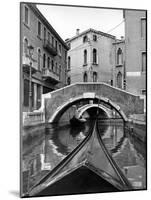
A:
x,y
69,63
39,33
141,26
95,77
85,57
85,77
118,55
44,61
85,38
26,23
60,49
94,37
25,50
143,67
95,61
39,58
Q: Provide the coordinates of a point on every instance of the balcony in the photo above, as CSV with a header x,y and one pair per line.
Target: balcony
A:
x,y
48,46
26,65
48,75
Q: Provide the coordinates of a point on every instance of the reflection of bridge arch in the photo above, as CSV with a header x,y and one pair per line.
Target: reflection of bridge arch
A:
x,y
61,109
84,108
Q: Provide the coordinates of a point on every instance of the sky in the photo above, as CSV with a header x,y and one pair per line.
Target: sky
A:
x,y
65,20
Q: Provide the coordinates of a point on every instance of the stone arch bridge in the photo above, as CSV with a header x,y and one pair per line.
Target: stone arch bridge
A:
x,y
55,103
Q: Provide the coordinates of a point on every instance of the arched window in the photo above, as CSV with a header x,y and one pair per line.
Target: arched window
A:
x,y
85,38
85,77
48,63
94,76
119,80
44,60
68,81
119,56
52,65
39,56
94,56
85,57
25,46
69,62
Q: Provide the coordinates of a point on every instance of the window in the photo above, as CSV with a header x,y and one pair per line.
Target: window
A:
x,y
119,57
94,56
38,96
143,61
143,92
85,38
44,33
39,29
94,76
52,65
26,92
60,72
94,37
60,49
69,62
48,37
56,68
44,60
69,45
119,80
68,81
39,58
48,63
52,41
85,77
143,28
25,46
26,17
56,45
85,57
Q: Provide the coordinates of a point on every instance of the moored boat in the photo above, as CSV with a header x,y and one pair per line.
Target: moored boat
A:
x,y
77,121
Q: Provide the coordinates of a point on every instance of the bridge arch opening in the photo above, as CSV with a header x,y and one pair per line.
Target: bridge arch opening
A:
x,y
106,102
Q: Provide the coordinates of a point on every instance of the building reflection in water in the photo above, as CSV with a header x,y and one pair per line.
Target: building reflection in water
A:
x,y
59,142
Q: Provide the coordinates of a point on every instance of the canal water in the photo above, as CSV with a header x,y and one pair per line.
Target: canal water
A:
x,y
45,147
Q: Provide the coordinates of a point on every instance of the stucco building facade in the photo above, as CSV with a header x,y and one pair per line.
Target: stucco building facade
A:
x,y
118,55
48,62
135,51
89,58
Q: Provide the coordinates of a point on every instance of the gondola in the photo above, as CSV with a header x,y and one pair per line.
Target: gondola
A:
x,y
89,168
77,121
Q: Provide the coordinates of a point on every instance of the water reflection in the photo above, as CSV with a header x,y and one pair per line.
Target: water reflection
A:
x,y
58,142
124,152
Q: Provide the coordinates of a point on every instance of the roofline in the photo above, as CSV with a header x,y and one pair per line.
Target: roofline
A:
x,y
92,30
118,42
47,24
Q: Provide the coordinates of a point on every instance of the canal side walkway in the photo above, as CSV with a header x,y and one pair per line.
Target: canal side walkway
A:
x,y
137,126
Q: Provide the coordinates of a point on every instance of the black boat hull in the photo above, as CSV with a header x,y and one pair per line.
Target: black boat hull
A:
x,y
76,122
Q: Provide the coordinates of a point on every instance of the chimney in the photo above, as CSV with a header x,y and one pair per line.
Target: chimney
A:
x,y
77,31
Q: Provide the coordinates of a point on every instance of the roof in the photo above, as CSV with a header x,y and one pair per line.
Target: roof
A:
x,y
94,31
46,23
119,42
